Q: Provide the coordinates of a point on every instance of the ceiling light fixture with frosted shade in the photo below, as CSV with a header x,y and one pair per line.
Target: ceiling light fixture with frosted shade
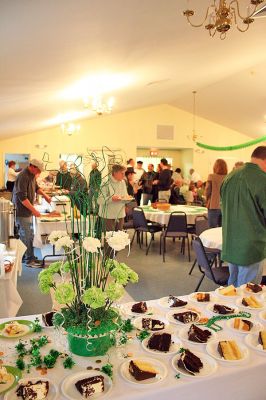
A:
x,y
70,128
221,15
99,105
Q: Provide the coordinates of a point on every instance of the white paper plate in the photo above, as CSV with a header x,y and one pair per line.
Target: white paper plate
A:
x,y
255,328
238,293
174,347
171,319
138,322
246,291
126,308
212,350
158,365
263,304
210,308
52,394
183,335
192,297
69,389
163,302
262,316
252,341
209,365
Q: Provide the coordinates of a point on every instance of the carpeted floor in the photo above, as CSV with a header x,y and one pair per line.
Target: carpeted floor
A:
x,y
156,279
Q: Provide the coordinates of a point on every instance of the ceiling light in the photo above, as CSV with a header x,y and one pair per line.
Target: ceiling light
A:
x,y
70,128
221,15
194,137
98,105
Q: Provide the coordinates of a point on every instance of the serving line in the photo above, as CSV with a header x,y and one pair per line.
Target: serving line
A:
x,y
244,380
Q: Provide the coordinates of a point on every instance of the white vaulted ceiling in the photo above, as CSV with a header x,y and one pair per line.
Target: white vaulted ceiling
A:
x,y
144,48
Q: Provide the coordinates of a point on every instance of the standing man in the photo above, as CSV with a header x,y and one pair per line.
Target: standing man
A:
x,y
194,176
164,182
243,196
63,178
139,172
147,183
111,199
24,193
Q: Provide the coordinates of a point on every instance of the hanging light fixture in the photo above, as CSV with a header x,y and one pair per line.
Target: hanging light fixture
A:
x,y
98,105
70,128
221,15
194,136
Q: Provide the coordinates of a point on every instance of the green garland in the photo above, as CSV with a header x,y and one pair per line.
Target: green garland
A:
x,y
230,148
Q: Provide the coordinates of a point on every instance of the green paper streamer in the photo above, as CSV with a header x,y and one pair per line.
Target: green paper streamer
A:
x,y
230,148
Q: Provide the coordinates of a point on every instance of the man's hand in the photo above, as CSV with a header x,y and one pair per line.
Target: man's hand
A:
x,y
116,198
36,213
155,182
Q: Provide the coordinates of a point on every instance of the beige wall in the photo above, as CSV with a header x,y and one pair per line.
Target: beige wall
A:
x,y
127,131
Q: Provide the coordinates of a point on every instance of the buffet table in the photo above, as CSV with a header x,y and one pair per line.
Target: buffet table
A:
x,y
236,380
162,217
10,300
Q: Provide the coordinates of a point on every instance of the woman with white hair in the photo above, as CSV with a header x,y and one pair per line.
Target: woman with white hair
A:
x,y
63,178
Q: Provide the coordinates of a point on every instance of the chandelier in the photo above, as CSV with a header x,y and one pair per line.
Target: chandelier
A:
x,y
221,15
98,105
70,128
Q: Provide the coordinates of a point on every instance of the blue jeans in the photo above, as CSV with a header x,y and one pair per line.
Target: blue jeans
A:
x,y
241,274
214,218
25,228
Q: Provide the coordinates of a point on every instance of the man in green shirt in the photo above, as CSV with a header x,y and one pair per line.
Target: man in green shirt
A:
x,y
243,197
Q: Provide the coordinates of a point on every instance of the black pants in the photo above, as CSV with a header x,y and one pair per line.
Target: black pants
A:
x,y
138,196
10,186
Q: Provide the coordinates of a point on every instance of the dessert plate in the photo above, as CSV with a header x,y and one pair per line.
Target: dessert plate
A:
x,y
52,394
171,318
210,308
212,350
70,391
193,297
163,302
255,328
138,322
262,316
238,293
252,341
27,326
209,365
248,291
126,308
260,300
183,335
15,375
157,365
174,347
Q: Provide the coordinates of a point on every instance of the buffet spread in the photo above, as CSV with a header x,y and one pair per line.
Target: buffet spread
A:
x,y
176,346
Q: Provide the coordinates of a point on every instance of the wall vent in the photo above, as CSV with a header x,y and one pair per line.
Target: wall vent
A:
x,y
165,132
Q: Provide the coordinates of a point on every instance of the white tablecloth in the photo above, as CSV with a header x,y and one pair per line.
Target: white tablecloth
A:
x,y
45,228
10,300
212,238
245,381
163,217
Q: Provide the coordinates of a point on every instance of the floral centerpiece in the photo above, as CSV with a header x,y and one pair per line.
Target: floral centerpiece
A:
x,y
88,281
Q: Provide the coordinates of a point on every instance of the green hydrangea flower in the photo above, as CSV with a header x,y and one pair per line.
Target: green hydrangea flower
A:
x,y
120,275
114,291
94,297
111,264
64,293
124,267
45,282
66,267
55,267
133,276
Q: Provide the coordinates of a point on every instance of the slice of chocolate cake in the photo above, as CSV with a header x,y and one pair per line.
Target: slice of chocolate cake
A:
x,y
90,386
160,342
253,287
152,324
190,362
203,297
140,307
33,391
141,370
186,317
176,302
221,309
262,339
48,318
198,335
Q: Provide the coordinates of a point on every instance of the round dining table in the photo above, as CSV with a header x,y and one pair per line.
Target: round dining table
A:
x,y
162,217
212,238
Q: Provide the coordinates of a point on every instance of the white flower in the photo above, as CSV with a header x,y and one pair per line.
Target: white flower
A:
x,y
64,242
91,244
55,235
117,240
